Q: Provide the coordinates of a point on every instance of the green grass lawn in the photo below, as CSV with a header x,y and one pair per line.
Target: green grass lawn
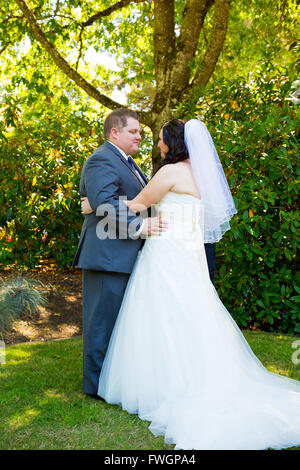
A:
x,y
42,407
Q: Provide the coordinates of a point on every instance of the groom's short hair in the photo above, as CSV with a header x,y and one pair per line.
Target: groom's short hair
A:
x,y
118,120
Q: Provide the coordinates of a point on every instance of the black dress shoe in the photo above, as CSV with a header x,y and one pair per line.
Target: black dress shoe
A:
x,y
96,397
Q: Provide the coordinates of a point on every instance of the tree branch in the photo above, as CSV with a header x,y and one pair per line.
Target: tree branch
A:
x,y
9,43
163,38
57,7
108,11
215,45
188,40
65,67
80,49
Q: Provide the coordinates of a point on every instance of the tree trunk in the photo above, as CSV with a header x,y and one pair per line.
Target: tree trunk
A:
x,y
172,56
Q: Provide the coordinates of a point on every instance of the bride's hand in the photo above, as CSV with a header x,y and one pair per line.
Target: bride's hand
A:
x,y
85,206
135,207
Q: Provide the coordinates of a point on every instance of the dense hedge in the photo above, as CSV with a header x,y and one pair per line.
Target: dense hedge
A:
x,y
255,131
40,164
40,171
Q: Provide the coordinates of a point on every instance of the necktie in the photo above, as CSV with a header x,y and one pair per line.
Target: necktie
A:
x,y
131,163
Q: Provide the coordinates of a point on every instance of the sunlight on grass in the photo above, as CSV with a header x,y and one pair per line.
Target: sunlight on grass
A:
x,y
42,405
279,370
17,356
52,395
21,419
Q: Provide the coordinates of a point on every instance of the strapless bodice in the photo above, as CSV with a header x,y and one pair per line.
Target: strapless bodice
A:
x,y
180,207
179,198
184,215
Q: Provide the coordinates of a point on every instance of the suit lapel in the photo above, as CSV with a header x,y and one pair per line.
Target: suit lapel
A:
x,y
140,172
123,160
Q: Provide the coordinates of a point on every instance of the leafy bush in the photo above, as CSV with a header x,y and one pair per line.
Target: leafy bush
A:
x,y
40,170
40,164
255,130
19,296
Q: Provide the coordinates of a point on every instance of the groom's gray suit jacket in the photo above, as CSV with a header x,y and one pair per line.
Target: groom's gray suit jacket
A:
x,y
106,175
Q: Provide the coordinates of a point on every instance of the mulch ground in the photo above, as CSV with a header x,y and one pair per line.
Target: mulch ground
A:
x,y
60,318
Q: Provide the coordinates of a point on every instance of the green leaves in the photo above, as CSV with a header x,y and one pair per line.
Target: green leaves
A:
x,y
48,127
257,275
40,168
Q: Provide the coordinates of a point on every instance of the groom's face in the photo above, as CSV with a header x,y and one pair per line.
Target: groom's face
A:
x,y
129,137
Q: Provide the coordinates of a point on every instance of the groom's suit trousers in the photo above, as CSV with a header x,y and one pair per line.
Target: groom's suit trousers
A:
x,y
103,292
210,250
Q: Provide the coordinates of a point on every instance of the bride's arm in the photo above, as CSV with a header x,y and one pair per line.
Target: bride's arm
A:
x,y
162,182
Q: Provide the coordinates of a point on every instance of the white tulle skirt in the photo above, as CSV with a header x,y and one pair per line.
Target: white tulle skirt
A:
x,y
177,358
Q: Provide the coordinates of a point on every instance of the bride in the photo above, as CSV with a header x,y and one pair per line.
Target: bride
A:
x,y
176,357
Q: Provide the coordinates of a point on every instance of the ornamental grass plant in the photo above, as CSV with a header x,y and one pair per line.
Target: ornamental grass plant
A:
x,y
19,296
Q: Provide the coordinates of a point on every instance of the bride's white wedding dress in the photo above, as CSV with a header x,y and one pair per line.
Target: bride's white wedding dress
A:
x,y
177,358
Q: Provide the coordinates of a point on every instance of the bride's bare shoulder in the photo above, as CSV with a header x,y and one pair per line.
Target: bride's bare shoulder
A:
x,y
172,167
168,168
173,173
183,166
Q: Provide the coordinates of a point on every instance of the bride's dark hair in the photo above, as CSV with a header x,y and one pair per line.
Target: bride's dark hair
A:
x,y
173,137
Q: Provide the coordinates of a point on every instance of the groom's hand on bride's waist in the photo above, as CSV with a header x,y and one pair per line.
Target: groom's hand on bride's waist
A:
x,y
150,225
154,226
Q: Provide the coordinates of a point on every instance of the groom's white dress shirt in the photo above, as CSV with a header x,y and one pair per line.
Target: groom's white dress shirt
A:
x,y
138,175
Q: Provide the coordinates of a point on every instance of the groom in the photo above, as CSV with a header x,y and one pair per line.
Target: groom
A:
x,y
106,263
